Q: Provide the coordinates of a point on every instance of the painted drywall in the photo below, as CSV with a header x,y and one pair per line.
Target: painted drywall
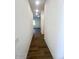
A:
x,y
54,28
42,22
23,28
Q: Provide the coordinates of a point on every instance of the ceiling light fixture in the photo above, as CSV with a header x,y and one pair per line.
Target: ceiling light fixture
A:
x,y
37,10
37,2
37,5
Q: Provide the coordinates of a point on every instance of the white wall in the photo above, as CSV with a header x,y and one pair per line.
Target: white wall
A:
x,y
23,20
54,32
42,22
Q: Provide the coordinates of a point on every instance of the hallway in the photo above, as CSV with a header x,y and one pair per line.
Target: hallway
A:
x,y
46,15
38,48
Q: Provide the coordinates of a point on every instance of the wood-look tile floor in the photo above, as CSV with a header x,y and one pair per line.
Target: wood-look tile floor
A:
x,y
38,48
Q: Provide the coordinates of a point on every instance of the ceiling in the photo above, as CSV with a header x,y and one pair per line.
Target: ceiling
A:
x,y
37,5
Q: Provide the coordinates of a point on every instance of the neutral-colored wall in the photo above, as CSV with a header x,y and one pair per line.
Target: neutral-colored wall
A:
x,y
23,28
54,30
42,22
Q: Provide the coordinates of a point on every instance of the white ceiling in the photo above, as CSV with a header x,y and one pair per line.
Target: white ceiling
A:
x,y
34,6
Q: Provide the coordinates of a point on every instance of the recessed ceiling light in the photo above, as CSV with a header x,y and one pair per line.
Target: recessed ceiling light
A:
x,y
37,2
36,13
37,10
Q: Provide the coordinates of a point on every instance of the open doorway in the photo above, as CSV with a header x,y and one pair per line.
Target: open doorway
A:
x,y
36,23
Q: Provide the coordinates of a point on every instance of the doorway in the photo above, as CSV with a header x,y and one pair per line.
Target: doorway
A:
x,y
36,23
